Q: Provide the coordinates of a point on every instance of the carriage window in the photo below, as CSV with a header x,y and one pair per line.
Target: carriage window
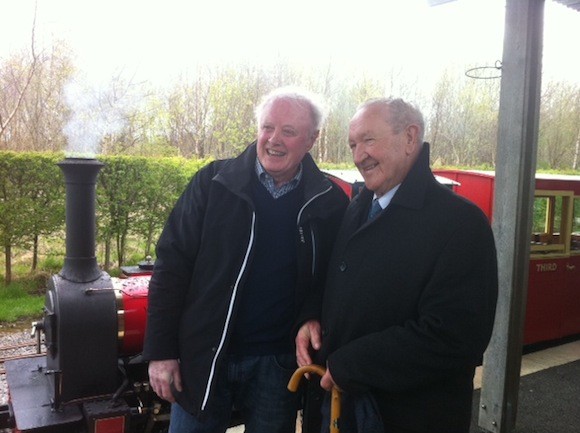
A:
x,y
575,238
552,222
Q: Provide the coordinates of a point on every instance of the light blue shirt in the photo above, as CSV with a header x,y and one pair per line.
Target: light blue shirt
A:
x,y
268,181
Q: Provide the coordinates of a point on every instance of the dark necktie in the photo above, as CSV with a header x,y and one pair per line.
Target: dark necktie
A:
x,y
375,209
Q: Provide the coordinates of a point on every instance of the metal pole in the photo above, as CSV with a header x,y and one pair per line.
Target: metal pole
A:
x,y
514,191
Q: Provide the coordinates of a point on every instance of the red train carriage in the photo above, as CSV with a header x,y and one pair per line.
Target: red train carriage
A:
x,y
553,305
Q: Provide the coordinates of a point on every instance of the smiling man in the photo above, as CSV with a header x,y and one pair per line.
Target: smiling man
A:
x,y
286,132
246,244
410,298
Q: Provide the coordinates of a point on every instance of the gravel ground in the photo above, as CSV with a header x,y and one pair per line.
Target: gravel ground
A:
x,y
10,335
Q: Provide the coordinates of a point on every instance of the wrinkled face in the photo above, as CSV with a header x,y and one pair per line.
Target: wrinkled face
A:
x,y
285,135
382,156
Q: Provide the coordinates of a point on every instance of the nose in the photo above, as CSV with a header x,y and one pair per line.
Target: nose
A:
x,y
275,136
358,154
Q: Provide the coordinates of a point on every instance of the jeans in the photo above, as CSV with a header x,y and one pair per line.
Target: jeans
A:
x,y
254,385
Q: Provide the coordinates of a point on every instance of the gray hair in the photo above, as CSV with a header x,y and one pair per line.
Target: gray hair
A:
x,y
402,114
300,97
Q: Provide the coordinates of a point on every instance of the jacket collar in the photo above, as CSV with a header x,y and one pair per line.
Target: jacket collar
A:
x,y
413,189
237,174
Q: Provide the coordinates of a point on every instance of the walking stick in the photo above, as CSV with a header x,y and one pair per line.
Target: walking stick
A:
x,y
335,393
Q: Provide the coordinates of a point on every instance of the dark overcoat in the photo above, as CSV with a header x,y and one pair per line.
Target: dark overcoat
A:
x,y
409,303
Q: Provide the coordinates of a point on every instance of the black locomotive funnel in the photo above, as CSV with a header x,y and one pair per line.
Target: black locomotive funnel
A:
x,y
80,263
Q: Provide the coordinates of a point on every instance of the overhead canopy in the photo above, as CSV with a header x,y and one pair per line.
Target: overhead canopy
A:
x,y
574,4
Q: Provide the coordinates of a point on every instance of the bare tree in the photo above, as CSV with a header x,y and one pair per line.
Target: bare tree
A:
x,y
15,82
43,112
188,109
559,125
232,98
463,120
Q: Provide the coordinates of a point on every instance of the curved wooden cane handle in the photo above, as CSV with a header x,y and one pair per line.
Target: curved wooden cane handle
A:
x,y
301,371
335,393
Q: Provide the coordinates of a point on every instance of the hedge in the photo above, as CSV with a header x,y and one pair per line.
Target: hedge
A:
x,y
134,197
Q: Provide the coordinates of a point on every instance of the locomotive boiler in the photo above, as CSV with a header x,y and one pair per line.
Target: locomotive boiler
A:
x,y
91,378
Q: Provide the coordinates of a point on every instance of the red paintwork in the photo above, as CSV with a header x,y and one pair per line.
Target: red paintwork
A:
x,y
553,299
475,186
346,186
134,291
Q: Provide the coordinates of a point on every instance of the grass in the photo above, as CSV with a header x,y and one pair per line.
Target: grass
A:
x,y
23,299
20,300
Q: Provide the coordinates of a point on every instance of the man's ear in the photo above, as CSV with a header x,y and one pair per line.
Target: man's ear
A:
x,y
411,134
313,138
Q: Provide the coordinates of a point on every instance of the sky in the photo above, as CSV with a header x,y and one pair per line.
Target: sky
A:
x,y
158,40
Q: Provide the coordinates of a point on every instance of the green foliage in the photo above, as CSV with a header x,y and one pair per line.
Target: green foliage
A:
x,y
134,198
559,132
163,182
233,113
52,263
31,201
463,121
119,198
16,302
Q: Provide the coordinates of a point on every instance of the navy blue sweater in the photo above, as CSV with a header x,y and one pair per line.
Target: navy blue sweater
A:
x,y
266,313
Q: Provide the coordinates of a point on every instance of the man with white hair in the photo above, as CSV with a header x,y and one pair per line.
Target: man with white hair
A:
x,y
410,298
246,244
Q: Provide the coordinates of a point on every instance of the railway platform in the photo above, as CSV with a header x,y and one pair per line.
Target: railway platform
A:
x,y
549,394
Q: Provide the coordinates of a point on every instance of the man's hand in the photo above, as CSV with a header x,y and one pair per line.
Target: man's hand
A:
x,y
308,337
327,382
162,375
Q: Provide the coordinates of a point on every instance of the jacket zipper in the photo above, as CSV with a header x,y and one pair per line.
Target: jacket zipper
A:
x,y
313,240
236,286
301,230
229,315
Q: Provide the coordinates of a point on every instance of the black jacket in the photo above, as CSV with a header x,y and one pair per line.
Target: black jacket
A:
x,y
202,258
410,302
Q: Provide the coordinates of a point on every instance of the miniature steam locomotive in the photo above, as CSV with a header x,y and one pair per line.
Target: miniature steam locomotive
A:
x,y
92,378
